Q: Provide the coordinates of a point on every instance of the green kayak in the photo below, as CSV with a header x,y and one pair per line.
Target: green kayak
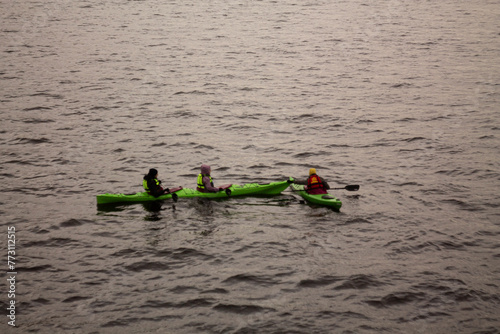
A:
x,y
322,199
249,189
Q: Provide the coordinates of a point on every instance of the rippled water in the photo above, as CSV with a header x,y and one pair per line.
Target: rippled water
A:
x,y
401,97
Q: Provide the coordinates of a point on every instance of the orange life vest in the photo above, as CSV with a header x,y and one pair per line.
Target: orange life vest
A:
x,y
314,182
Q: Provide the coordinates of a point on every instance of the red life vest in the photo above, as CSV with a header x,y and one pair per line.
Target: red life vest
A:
x,y
314,182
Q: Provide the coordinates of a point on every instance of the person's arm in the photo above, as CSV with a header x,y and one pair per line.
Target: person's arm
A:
x,y
300,181
208,186
154,189
327,186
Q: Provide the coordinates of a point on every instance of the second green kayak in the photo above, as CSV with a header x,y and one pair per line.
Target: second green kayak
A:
x,y
322,199
249,189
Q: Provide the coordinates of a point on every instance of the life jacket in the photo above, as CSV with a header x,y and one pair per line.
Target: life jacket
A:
x,y
201,186
145,184
314,182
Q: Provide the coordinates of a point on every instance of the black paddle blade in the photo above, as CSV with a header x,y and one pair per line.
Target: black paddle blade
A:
x,y
353,187
228,192
175,197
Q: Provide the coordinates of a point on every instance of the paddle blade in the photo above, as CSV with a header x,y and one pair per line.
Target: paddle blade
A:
x,y
353,187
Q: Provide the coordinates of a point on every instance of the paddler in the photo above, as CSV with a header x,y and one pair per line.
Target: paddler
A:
x,y
205,182
152,185
315,184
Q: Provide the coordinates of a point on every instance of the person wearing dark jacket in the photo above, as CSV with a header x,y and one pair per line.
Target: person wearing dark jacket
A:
x,y
152,185
315,184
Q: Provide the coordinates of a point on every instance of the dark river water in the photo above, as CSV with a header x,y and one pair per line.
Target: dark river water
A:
x,y
401,97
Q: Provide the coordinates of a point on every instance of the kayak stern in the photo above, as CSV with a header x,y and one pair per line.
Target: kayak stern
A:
x,y
321,199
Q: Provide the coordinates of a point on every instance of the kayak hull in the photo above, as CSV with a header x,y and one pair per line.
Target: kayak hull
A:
x,y
249,189
130,198
321,199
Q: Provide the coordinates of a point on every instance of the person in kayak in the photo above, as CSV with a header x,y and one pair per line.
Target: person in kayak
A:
x,y
152,185
315,184
205,182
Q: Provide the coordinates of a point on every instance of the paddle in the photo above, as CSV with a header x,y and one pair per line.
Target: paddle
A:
x,y
173,191
353,187
226,189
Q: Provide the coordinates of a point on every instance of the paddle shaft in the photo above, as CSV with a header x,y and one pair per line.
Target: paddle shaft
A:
x,y
353,187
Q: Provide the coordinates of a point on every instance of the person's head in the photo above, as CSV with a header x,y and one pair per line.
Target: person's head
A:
x,y
205,169
153,173
312,171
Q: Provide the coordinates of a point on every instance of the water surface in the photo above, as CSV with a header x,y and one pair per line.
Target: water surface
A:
x,y
400,97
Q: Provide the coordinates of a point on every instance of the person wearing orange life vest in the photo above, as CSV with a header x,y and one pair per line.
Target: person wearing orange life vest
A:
x,y
315,184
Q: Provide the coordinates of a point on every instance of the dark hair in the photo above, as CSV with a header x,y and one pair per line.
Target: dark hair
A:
x,y
152,173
